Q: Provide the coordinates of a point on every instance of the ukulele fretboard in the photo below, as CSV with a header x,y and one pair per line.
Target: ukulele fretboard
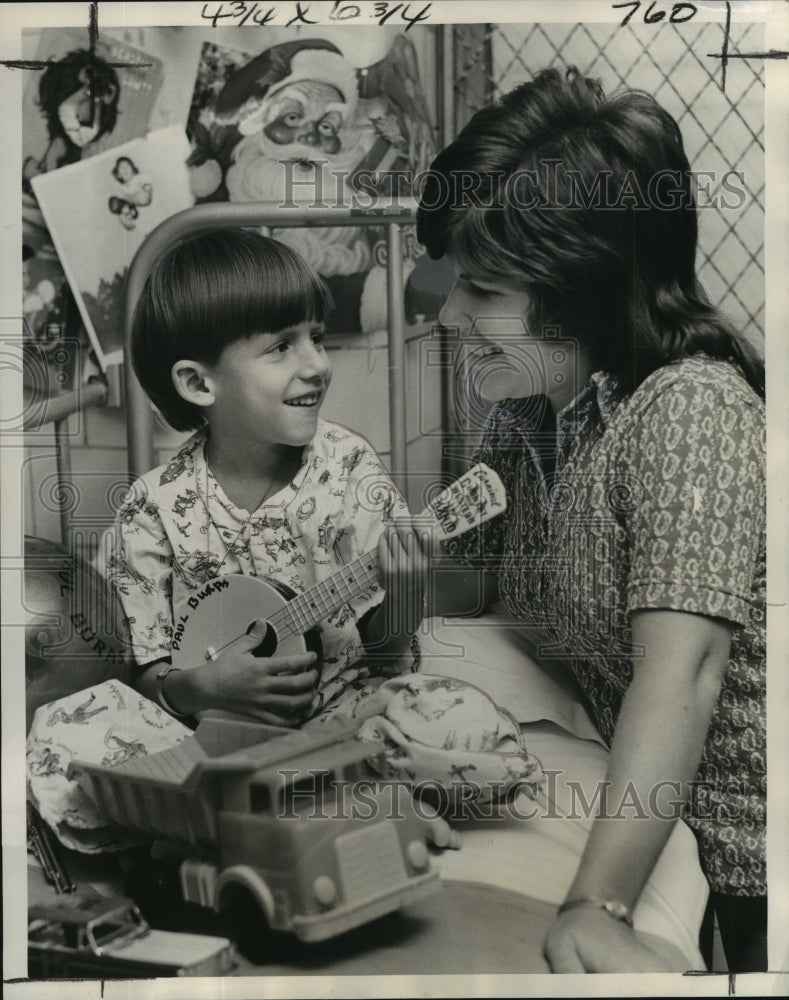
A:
x,y
305,611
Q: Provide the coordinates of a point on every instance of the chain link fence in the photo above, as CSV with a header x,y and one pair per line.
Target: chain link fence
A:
x,y
723,130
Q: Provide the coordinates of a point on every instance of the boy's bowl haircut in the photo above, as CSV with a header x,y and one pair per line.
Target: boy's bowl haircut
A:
x,y
207,291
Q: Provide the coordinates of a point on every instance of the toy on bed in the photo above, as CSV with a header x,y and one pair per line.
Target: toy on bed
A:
x,y
284,834
87,935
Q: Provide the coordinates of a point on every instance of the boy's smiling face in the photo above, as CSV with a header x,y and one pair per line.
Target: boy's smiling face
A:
x,y
269,387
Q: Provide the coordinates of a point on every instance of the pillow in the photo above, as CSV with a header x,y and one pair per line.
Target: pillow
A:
x,y
449,740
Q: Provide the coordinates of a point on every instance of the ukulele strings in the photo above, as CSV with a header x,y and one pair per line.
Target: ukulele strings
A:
x,y
286,615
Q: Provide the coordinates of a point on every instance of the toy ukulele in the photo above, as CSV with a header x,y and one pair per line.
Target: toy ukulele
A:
x,y
228,606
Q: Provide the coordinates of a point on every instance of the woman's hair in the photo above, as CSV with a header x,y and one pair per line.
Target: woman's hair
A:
x,y
118,162
588,201
210,290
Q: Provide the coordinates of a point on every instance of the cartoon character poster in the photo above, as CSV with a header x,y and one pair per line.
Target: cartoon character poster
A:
x,y
306,120
100,210
84,103
81,104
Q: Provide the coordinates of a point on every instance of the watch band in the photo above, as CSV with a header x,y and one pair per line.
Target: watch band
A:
x,y
165,669
612,907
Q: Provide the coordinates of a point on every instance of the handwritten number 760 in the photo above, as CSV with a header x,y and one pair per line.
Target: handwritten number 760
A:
x,y
680,12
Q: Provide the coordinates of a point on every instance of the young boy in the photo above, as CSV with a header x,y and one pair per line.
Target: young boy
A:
x,y
227,341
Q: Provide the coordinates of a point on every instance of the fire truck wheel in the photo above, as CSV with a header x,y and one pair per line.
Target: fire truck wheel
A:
x,y
243,921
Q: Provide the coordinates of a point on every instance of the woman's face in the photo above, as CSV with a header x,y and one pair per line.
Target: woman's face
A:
x,y
501,355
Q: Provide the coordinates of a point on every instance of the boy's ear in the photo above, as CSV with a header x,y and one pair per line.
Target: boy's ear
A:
x,y
193,382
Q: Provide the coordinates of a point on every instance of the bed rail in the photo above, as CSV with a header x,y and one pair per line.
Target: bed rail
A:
x,y
388,214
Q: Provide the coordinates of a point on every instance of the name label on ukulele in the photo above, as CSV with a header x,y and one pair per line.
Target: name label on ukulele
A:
x,y
470,501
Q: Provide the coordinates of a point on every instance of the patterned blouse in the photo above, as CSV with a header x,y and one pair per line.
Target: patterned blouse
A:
x,y
657,500
177,530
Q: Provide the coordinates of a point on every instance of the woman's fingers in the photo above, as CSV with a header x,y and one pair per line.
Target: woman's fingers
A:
x,y
560,949
563,958
588,940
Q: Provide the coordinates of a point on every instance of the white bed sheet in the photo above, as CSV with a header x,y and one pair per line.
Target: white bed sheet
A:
x,y
538,857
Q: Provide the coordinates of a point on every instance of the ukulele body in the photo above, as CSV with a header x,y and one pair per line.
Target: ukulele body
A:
x,y
228,610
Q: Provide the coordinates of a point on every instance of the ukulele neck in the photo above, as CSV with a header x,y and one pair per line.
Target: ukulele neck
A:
x,y
307,610
468,502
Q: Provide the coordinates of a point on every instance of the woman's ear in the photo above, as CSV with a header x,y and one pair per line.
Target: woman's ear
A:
x,y
193,382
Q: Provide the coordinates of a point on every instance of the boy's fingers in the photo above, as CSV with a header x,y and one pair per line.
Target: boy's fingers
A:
x,y
429,539
287,704
285,683
288,714
255,634
295,664
403,543
394,540
391,549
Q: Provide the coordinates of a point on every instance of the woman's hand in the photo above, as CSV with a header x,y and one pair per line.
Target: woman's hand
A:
x,y
589,940
276,690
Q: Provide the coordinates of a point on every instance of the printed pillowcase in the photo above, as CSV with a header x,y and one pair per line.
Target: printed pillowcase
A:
x,y
106,724
450,741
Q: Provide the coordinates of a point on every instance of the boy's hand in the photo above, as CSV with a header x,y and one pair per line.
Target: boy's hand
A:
x,y
276,690
405,551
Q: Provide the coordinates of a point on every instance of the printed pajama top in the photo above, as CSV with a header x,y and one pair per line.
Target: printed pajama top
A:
x,y
177,530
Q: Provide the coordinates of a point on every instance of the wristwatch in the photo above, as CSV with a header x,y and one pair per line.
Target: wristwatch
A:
x,y
612,907
165,669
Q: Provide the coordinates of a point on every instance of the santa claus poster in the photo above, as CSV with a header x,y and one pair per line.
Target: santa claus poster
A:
x,y
302,119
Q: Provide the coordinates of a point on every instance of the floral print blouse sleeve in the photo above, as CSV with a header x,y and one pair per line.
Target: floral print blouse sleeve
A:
x,y
140,569
697,458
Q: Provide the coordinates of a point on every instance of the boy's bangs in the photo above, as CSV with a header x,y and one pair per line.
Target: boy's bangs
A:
x,y
252,286
281,297
205,292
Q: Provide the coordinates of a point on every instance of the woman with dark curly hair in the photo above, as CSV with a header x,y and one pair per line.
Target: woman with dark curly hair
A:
x,y
629,432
